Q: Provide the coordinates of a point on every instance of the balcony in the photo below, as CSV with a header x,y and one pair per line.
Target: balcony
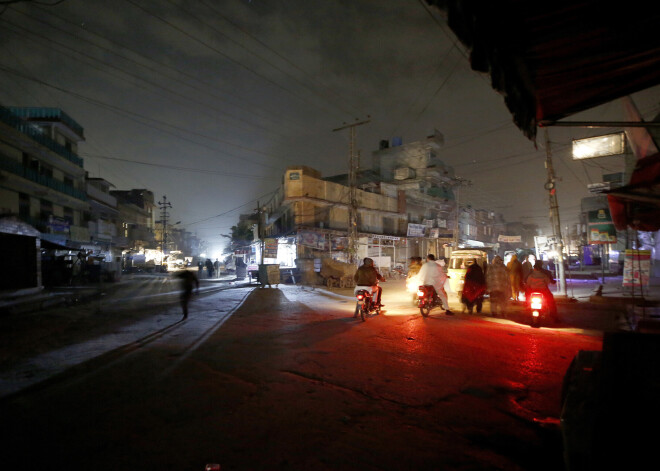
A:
x,y
48,114
36,134
16,168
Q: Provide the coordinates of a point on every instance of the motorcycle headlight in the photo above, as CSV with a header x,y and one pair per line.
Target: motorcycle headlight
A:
x,y
420,293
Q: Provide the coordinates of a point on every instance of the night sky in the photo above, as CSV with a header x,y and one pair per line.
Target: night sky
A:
x,y
207,101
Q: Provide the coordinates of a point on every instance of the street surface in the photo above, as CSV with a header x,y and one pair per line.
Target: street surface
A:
x,y
282,378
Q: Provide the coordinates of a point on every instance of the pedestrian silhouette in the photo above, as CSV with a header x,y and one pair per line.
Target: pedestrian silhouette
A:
x,y
188,281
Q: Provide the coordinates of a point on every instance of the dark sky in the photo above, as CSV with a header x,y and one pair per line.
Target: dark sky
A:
x,y
208,101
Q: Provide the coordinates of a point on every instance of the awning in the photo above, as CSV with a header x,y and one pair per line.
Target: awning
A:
x,y
637,205
47,244
554,59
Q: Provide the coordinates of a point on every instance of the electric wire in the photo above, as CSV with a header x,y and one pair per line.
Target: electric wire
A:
x,y
214,49
186,100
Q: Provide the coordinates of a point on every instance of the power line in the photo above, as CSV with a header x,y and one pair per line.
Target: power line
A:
x,y
210,88
218,51
186,100
179,168
304,84
134,116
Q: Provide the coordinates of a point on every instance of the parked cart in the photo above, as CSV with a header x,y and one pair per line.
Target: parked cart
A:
x,y
337,274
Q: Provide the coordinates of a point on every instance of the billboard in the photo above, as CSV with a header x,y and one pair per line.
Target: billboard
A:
x,y
600,228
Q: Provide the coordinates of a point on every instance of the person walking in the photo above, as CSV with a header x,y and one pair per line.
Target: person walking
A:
x,y
216,267
209,268
527,267
200,269
498,284
515,276
188,281
474,287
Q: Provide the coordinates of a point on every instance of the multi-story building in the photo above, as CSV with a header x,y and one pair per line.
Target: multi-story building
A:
x,y
313,214
104,213
427,181
136,223
42,177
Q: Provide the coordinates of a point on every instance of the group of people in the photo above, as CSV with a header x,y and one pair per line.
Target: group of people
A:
x,y
212,268
507,282
502,282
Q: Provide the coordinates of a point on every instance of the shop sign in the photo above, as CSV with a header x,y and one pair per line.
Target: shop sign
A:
x,y
600,228
636,268
509,239
58,225
312,239
416,230
270,248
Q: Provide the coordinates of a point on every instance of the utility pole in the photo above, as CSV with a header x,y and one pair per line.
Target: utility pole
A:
x,y
352,190
164,207
554,214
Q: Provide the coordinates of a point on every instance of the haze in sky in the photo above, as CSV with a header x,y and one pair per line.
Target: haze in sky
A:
x,y
207,102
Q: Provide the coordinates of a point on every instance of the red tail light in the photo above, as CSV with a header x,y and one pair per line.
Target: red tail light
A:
x,y
536,301
420,294
360,297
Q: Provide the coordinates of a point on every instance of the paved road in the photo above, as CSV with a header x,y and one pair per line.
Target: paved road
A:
x,y
291,381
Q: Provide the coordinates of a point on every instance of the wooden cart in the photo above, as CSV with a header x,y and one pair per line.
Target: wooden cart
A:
x,y
337,274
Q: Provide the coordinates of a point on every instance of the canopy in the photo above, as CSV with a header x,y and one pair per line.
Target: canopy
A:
x,y
554,59
637,204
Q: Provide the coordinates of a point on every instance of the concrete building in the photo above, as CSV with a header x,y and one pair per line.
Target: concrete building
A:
x,y
104,213
42,179
136,222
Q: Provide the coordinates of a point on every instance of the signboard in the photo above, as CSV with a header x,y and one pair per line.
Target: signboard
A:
x,y
599,146
58,225
636,268
312,239
270,248
416,230
600,228
509,239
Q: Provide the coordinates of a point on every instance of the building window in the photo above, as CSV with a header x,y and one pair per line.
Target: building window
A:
x,y
46,170
23,205
30,162
45,209
68,215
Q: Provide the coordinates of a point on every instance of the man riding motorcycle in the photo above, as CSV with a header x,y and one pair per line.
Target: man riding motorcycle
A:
x,y
538,281
433,274
367,275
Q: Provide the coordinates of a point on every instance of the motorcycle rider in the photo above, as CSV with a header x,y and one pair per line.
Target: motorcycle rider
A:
x,y
433,274
367,275
538,281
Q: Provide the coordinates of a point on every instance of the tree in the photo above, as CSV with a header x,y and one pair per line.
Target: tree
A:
x,y
241,235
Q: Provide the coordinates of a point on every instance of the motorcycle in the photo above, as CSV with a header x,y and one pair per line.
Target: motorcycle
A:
x,y
427,299
365,304
538,307
412,286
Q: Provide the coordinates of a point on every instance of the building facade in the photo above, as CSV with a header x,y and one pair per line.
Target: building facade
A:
x,y
42,177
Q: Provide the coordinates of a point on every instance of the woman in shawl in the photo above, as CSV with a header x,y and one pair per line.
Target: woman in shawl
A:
x,y
474,287
497,280
515,276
